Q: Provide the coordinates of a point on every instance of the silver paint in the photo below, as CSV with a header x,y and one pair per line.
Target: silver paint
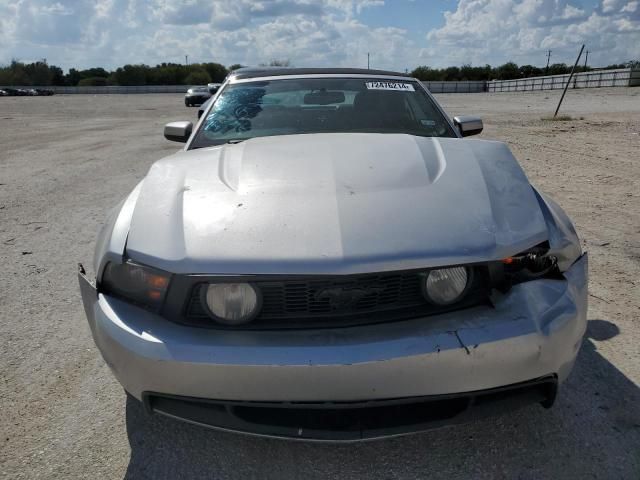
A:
x,y
334,203
534,330
178,131
468,125
340,204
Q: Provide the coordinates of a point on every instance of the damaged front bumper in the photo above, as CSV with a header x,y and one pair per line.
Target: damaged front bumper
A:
x,y
530,338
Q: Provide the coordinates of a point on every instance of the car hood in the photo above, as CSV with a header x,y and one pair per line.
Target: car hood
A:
x,y
334,204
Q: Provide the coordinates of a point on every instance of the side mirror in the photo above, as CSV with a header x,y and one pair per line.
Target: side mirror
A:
x,y
178,131
468,125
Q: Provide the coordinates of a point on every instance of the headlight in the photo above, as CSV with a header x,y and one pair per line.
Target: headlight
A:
x,y
445,286
140,284
190,90
232,303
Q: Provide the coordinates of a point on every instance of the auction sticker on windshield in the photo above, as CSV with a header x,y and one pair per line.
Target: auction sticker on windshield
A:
x,y
403,87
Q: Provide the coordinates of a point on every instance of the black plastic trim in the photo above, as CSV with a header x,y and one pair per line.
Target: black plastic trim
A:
x,y
182,288
351,421
253,72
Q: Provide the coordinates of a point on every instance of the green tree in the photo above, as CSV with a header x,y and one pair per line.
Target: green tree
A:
x,y
530,71
198,77
131,75
72,77
37,73
451,74
426,74
57,75
559,69
467,72
216,72
17,74
168,74
508,71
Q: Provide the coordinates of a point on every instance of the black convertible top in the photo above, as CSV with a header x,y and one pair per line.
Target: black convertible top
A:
x,y
253,72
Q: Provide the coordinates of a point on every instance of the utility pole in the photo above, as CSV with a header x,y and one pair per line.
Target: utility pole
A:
x,y
186,60
548,58
568,82
585,60
367,60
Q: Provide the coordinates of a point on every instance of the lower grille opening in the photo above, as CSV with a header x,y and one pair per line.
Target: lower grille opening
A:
x,y
355,419
335,421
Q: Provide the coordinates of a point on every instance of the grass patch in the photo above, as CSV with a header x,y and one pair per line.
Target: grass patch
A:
x,y
559,118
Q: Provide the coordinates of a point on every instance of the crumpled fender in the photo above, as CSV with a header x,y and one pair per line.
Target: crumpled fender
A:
x,y
563,238
112,239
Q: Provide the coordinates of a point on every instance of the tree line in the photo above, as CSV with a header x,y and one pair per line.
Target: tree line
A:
x,y
42,74
508,71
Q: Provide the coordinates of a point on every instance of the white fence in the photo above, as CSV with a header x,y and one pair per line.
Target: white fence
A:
x,y
456,87
624,77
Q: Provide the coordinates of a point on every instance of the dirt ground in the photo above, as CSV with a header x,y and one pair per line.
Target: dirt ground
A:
x,y
66,160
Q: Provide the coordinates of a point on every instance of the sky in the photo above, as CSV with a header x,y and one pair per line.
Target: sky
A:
x,y
398,34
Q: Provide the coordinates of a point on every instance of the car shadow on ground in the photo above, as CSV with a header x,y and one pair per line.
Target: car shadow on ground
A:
x,y
593,431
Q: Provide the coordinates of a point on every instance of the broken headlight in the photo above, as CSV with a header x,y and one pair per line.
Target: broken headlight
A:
x,y
531,264
139,284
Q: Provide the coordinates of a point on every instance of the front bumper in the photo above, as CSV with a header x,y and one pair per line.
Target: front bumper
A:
x,y
534,332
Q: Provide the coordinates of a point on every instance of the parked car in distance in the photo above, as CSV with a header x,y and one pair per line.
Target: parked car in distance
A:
x,y
330,258
19,92
204,106
3,93
15,92
196,96
213,87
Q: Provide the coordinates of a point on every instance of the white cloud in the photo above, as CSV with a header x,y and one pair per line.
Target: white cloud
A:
x,y
57,9
83,33
495,31
609,6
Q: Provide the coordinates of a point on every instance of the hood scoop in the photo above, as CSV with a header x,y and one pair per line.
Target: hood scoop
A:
x,y
334,204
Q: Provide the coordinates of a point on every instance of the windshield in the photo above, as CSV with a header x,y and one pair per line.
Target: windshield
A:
x,y
320,105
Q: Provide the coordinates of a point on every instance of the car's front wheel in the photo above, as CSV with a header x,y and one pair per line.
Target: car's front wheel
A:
x,y
186,103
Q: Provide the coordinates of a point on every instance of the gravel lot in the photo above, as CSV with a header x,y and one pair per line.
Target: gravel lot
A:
x,y
66,160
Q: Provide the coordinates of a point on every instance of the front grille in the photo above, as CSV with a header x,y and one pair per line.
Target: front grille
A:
x,y
330,301
351,420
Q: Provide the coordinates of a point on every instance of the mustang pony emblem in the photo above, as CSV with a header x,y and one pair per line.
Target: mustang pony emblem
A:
x,y
343,298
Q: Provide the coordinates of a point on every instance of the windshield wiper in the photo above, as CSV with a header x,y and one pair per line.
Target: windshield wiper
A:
x,y
235,140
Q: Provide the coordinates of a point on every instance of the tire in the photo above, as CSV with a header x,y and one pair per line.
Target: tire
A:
x,y
186,103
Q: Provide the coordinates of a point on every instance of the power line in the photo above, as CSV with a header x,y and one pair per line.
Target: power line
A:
x,y
585,59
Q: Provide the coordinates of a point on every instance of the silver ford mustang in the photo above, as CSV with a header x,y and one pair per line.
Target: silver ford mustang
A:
x,y
328,258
